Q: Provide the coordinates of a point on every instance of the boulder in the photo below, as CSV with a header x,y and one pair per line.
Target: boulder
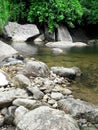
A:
x,y
56,95
6,51
4,79
45,118
9,94
20,32
75,107
36,69
65,44
21,81
67,72
63,34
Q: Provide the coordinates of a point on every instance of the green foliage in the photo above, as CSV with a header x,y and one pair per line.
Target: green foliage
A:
x,y
17,10
90,9
4,14
53,12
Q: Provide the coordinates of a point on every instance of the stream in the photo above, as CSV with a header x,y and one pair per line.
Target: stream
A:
x,y
86,58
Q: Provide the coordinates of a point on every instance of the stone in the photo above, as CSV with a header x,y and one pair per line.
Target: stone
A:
x,y
20,32
6,51
36,69
65,44
57,51
9,116
37,94
9,94
75,107
21,81
27,103
92,116
1,120
19,113
63,34
56,95
40,38
4,78
45,118
67,72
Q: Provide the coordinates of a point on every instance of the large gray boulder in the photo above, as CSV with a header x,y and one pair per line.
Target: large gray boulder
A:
x,y
65,44
20,32
6,51
36,68
63,34
45,118
75,106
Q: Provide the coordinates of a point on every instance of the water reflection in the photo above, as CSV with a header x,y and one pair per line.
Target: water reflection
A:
x,y
24,48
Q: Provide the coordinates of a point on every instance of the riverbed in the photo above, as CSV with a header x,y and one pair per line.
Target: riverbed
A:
x,y
86,58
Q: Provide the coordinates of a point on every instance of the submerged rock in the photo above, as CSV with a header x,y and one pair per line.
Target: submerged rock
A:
x,y
20,32
45,118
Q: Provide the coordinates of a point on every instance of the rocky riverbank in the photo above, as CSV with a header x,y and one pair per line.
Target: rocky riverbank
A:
x,y
34,96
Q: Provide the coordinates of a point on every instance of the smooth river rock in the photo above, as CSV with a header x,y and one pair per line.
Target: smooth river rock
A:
x,y
20,32
6,51
45,118
67,72
65,44
36,69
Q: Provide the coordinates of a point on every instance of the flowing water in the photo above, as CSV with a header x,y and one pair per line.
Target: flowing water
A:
x,y
85,58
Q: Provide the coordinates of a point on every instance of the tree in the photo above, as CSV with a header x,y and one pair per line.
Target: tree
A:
x,y
90,11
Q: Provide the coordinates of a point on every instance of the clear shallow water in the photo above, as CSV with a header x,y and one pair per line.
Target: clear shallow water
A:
x,y
86,59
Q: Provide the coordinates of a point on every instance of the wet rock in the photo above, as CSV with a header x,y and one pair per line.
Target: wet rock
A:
x,y
36,69
56,95
45,118
4,79
27,103
21,81
75,107
63,34
20,32
19,113
8,95
40,38
67,72
37,94
6,51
